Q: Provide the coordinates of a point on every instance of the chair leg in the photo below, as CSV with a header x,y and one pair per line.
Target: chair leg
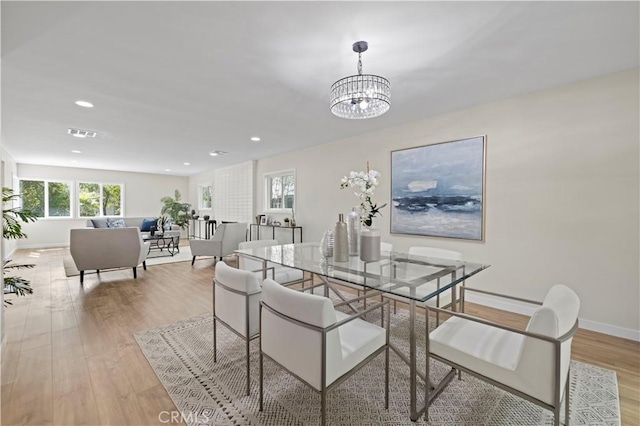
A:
x,y
248,369
567,398
135,273
395,310
323,407
81,277
144,265
215,346
193,260
386,378
98,271
261,378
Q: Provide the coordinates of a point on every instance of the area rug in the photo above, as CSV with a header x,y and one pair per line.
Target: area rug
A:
x,y
208,393
154,259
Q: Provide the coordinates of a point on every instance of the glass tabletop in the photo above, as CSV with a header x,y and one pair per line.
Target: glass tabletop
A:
x,y
413,277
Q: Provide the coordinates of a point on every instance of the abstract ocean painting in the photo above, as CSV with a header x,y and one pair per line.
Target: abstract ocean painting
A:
x,y
438,190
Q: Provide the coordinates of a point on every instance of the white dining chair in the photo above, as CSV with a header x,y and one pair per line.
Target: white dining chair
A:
x,y
441,300
317,344
532,364
236,305
279,273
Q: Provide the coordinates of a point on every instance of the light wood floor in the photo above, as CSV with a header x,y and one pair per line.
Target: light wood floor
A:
x,y
70,357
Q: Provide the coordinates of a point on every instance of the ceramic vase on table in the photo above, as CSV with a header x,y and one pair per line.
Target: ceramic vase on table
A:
x,y
353,231
369,244
340,241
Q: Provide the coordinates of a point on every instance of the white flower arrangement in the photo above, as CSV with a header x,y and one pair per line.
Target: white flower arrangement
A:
x,y
364,184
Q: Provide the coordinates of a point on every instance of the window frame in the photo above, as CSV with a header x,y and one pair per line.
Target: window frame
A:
x,y
70,185
102,184
201,205
267,179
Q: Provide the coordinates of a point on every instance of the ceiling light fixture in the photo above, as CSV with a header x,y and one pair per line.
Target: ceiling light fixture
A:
x,y
187,164
84,104
361,95
216,153
255,139
167,170
75,151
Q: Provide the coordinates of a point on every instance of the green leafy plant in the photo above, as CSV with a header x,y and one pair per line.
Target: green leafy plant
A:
x,y
176,210
12,230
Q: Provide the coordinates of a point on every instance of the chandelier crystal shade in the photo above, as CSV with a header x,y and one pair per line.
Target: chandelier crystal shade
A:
x,y
360,96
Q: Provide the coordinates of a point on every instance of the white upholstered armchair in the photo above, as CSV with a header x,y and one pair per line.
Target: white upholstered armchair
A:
x,y
224,242
96,249
236,301
532,364
320,346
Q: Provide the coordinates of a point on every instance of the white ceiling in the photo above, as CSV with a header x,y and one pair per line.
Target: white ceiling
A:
x,y
172,81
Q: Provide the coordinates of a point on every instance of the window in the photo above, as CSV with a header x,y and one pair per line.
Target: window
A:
x,y
99,199
280,190
205,193
46,198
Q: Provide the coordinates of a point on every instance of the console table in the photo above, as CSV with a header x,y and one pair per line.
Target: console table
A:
x,y
195,226
273,231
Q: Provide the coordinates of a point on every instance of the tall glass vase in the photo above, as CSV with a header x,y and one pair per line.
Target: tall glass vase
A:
x,y
353,231
369,244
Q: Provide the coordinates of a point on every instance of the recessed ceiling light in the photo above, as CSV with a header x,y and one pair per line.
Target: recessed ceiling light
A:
x,y
167,170
216,153
84,104
75,151
187,164
82,133
255,139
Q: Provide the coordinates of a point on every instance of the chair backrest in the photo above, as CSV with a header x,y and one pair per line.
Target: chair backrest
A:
x,y
435,252
288,341
231,306
105,248
249,263
231,235
556,317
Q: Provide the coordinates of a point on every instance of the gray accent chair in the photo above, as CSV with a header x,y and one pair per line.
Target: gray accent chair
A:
x,y
225,241
108,248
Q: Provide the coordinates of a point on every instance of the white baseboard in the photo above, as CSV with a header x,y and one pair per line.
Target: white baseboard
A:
x,y
526,309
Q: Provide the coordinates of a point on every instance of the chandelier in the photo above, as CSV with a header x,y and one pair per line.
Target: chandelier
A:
x,y
362,95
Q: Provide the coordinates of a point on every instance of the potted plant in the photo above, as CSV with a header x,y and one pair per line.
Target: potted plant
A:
x,y
286,221
176,210
12,230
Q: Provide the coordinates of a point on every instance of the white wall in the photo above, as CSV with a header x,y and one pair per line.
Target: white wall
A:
x,y
562,193
232,192
142,198
10,171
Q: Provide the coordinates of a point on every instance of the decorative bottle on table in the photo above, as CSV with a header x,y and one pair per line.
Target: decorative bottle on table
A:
x,y
353,231
340,241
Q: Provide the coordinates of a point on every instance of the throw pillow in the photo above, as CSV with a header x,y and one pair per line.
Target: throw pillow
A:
x,y
147,224
118,223
99,223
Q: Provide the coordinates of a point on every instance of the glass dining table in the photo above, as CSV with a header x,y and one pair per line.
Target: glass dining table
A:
x,y
409,278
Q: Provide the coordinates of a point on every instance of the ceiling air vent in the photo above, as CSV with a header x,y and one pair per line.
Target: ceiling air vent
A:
x,y
82,133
